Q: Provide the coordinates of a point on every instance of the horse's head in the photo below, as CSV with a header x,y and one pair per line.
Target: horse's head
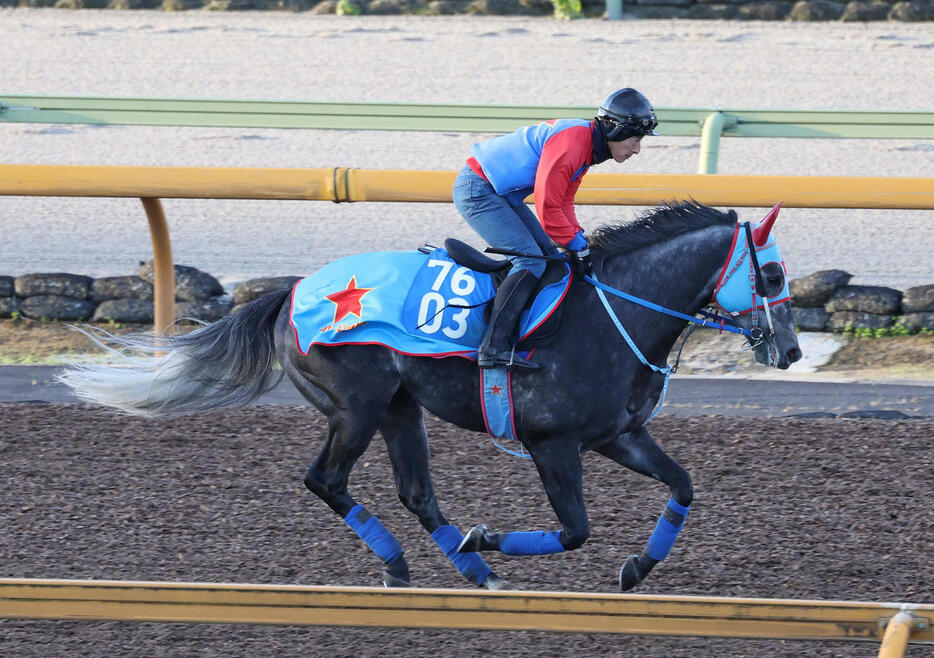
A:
x,y
753,290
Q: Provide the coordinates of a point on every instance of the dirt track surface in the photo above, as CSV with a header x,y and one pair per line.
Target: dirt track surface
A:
x,y
785,508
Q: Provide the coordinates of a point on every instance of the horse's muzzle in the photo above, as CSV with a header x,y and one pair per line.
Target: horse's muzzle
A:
x,y
768,354
790,356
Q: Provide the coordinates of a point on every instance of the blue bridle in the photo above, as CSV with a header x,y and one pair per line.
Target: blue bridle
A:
x,y
730,294
727,295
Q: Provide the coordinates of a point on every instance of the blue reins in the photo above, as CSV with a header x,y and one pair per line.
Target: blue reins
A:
x,y
667,370
715,320
667,311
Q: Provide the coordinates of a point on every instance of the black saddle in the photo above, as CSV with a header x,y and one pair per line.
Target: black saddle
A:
x,y
467,256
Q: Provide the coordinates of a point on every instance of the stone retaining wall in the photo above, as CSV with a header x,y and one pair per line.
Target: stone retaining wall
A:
x,y
125,299
823,301
768,10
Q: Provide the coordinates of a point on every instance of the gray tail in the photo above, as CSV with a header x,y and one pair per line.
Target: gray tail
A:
x,y
228,363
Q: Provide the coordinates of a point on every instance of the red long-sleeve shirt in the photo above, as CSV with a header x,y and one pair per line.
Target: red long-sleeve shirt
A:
x,y
548,159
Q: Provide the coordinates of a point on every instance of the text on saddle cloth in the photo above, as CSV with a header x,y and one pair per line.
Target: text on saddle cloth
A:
x,y
413,303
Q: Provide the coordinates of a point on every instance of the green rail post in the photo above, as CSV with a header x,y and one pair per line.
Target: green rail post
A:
x,y
614,10
714,125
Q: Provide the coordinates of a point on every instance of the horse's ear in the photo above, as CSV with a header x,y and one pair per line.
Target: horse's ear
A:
x,y
760,234
732,215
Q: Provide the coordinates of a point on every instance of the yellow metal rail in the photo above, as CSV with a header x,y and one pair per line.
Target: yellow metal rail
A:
x,y
467,609
346,184
341,184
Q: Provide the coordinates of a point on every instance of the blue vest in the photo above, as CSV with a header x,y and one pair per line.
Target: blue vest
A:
x,y
511,161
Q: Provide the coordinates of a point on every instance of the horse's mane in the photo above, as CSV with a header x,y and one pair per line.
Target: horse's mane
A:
x,y
652,226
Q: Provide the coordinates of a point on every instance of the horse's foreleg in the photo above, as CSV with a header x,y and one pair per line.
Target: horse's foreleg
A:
x,y
559,467
639,452
403,429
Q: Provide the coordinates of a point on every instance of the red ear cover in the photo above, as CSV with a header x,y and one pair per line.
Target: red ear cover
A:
x,y
760,234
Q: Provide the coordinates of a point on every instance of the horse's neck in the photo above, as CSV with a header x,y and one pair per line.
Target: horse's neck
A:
x,y
679,274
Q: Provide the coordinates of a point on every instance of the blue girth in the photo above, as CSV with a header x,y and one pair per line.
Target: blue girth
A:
x,y
496,404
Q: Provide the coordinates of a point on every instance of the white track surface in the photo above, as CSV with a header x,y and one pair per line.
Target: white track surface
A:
x,y
874,66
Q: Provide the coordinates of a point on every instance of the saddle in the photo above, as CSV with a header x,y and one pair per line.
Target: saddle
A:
x,y
467,256
463,254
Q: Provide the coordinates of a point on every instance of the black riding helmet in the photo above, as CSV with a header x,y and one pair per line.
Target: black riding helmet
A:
x,y
626,113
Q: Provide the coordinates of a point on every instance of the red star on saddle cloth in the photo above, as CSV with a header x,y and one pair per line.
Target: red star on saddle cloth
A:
x,y
496,390
347,301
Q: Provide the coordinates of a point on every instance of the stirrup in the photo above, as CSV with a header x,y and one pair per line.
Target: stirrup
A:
x,y
499,361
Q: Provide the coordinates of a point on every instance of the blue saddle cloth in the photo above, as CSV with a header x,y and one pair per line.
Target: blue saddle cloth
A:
x,y
414,303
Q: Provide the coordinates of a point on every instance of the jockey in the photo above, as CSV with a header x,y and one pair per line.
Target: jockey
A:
x,y
548,159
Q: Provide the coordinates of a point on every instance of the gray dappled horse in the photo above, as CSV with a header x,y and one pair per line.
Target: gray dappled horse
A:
x,y
591,392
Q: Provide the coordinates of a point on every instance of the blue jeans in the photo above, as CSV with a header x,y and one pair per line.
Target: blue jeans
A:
x,y
503,222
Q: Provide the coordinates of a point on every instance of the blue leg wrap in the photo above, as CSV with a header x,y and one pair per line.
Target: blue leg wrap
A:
x,y
530,543
666,530
448,538
374,534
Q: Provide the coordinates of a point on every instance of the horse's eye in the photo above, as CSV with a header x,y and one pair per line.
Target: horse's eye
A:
x,y
773,276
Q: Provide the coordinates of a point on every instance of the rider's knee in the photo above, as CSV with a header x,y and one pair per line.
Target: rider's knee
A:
x,y
535,266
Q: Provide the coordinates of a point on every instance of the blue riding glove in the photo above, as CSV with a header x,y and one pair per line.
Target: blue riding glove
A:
x,y
578,242
579,250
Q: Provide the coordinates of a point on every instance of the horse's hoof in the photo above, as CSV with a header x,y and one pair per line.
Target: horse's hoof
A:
x,y
494,583
473,540
396,574
392,581
629,575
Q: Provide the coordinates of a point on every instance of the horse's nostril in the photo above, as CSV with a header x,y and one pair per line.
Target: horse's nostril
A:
x,y
794,354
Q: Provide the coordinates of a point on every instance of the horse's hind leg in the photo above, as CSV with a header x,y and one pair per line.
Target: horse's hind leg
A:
x,y
639,452
354,411
403,429
348,437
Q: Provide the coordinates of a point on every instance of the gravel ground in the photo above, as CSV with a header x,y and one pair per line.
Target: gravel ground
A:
x,y
788,508
461,59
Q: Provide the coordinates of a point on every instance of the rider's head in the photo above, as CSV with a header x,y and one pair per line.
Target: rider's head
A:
x,y
626,113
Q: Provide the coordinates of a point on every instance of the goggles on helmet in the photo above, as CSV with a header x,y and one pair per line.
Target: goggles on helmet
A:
x,y
642,125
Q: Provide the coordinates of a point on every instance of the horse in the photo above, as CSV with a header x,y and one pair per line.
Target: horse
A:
x,y
591,392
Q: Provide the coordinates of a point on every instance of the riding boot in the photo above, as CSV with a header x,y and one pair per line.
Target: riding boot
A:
x,y
496,348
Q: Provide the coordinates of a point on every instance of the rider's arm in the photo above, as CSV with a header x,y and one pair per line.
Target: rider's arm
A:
x,y
564,155
569,200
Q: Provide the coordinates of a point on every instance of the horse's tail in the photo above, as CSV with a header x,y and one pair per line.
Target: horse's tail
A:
x,y
228,363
